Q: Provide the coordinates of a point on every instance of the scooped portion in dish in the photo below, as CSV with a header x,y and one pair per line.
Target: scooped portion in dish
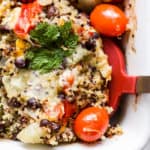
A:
x,y
54,74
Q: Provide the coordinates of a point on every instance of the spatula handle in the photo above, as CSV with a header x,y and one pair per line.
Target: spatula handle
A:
x,y
129,84
143,84
137,85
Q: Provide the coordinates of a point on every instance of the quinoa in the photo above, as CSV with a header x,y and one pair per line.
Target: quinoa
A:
x,y
28,98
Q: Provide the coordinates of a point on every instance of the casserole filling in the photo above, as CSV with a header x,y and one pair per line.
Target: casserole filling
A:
x,y
52,66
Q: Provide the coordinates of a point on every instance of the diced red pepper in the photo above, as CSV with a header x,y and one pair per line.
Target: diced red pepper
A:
x,y
91,34
60,110
80,30
69,109
25,22
68,81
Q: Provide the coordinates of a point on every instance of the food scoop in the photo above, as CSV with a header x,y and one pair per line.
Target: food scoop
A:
x,y
121,82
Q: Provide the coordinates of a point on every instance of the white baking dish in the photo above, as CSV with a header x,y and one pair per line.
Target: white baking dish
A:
x,y
135,120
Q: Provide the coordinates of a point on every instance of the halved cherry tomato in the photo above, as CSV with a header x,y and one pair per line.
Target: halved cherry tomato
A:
x,y
91,124
109,20
25,22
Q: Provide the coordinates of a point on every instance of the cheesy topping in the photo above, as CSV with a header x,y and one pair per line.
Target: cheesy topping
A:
x,y
33,103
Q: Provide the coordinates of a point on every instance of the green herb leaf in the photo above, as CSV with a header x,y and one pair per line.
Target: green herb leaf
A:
x,y
65,30
45,60
72,41
53,35
57,42
45,34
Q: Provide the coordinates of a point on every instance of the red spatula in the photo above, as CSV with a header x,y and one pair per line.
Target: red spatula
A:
x,y
121,82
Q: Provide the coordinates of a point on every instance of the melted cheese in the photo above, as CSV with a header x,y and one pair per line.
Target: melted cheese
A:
x,y
32,84
77,56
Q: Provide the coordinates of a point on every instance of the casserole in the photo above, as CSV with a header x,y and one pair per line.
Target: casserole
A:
x,y
133,121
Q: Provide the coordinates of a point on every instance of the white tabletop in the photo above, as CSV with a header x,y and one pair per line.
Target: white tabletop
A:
x,y
147,146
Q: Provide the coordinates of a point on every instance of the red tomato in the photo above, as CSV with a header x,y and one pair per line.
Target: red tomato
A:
x,y
109,20
113,1
117,0
25,21
91,124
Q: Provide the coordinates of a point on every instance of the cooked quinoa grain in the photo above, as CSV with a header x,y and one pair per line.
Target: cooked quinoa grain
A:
x,y
32,103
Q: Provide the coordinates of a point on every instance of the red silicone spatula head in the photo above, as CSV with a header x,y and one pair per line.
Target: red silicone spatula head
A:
x,y
121,82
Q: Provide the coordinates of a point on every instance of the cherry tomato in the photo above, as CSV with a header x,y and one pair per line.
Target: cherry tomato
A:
x,y
109,20
25,21
91,124
117,0
113,1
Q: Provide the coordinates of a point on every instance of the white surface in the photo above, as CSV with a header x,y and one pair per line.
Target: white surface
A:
x,y
139,62
136,67
147,147
135,123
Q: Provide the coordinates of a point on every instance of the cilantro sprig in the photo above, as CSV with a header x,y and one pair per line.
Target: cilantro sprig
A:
x,y
56,43
45,60
54,36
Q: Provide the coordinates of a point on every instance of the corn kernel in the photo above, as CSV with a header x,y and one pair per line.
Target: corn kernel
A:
x,y
21,46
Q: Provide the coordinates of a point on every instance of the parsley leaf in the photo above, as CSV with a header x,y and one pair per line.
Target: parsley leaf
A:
x,y
45,34
56,43
65,30
45,60
50,35
72,41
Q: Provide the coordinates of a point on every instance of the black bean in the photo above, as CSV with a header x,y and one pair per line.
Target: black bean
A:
x,y
33,103
90,44
1,82
54,126
93,69
44,123
20,63
50,124
51,11
2,127
23,120
13,102
61,95
95,35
